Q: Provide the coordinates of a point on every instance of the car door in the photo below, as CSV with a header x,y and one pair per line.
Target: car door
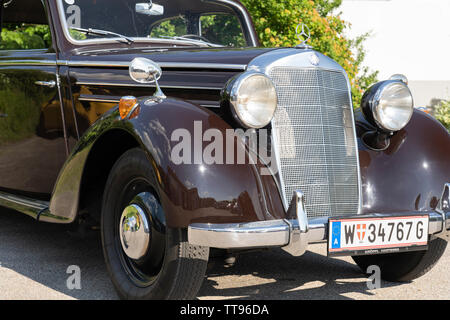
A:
x,y
32,144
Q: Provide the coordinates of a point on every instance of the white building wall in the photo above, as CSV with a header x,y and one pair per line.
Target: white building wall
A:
x,y
408,36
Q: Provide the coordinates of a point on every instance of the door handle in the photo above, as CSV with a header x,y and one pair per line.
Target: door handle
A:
x,y
50,84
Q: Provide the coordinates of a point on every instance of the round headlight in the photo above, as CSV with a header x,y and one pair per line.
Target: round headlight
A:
x,y
391,105
254,100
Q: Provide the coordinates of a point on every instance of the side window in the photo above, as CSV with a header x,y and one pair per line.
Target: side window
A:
x,y
170,28
222,29
25,26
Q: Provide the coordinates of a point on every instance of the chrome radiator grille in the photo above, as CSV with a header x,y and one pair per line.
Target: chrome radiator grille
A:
x,y
315,140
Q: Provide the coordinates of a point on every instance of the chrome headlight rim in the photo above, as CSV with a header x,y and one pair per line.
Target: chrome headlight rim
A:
x,y
371,103
231,95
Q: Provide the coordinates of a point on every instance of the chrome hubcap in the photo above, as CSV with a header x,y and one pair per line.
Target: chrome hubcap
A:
x,y
134,232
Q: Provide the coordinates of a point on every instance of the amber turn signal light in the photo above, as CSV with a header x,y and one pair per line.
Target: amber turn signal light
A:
x,y
127,105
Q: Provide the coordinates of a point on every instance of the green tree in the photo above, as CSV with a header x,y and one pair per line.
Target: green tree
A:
x,y
170,28
223,29
25,37
442,113
276,22
216,28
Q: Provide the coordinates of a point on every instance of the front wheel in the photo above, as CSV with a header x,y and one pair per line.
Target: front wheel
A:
x,y
405,266
145,259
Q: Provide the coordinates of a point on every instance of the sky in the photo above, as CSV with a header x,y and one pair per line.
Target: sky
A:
x,y
411,37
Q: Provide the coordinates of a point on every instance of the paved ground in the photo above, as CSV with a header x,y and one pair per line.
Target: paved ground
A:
x,y
34,259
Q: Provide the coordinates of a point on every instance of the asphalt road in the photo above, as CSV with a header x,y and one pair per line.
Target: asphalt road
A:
x,y
34,259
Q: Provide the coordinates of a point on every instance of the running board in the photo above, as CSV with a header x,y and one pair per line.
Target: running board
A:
x,y
36,209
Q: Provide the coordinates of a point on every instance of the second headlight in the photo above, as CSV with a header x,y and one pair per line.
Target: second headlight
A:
x,y
253,99
389,105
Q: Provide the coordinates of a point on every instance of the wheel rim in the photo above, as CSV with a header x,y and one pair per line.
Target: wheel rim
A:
x,y
140,233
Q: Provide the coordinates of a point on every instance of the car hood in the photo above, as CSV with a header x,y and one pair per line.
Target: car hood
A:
x,y
217,57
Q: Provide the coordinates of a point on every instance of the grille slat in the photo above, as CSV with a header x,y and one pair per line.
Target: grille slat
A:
x,y
316,140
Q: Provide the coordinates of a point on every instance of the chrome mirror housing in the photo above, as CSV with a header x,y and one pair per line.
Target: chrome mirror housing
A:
x,y
146,71
150,9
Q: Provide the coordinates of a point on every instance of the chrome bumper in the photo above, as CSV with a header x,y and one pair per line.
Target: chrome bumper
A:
x,y
295,234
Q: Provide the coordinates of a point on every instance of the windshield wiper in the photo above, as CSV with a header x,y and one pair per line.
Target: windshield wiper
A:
x,y
97,32
193,41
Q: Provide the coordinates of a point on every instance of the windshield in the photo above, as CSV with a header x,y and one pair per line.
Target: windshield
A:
x,y
209,23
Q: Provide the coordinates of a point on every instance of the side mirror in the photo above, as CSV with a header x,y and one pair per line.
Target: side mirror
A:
x,y
150,9
146,71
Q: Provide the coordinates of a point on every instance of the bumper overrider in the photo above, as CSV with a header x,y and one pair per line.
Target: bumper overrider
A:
x,y
295,234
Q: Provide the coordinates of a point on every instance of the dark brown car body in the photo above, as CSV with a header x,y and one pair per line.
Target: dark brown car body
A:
x,y
60,171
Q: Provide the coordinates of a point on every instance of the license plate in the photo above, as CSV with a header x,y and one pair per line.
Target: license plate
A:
x,y
363,236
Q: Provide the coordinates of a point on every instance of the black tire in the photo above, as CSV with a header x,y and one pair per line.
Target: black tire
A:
x,y
181,270
405,266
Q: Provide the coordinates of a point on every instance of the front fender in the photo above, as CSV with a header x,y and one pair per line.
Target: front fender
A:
x,y
409,176
188,192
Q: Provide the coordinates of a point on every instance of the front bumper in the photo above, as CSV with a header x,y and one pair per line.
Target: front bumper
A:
x,y
296,233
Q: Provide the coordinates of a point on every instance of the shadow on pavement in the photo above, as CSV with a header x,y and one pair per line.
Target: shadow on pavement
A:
x,y
311,276
43,252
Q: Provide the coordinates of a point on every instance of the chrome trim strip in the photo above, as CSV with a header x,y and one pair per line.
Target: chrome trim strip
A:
x,y
28,63
356,142
89,98
120,64
98,100
36,209
165,65
81,83
133,109
280,183
209,105
61,105
10,201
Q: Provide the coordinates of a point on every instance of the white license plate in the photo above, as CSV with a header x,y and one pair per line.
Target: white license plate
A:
x,y
359,236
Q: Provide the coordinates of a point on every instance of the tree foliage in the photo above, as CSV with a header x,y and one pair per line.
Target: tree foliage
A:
x,y
221,29
25,37
276,22
442,113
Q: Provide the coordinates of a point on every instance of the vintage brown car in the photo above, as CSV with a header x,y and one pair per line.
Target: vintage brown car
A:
x,y
167,126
